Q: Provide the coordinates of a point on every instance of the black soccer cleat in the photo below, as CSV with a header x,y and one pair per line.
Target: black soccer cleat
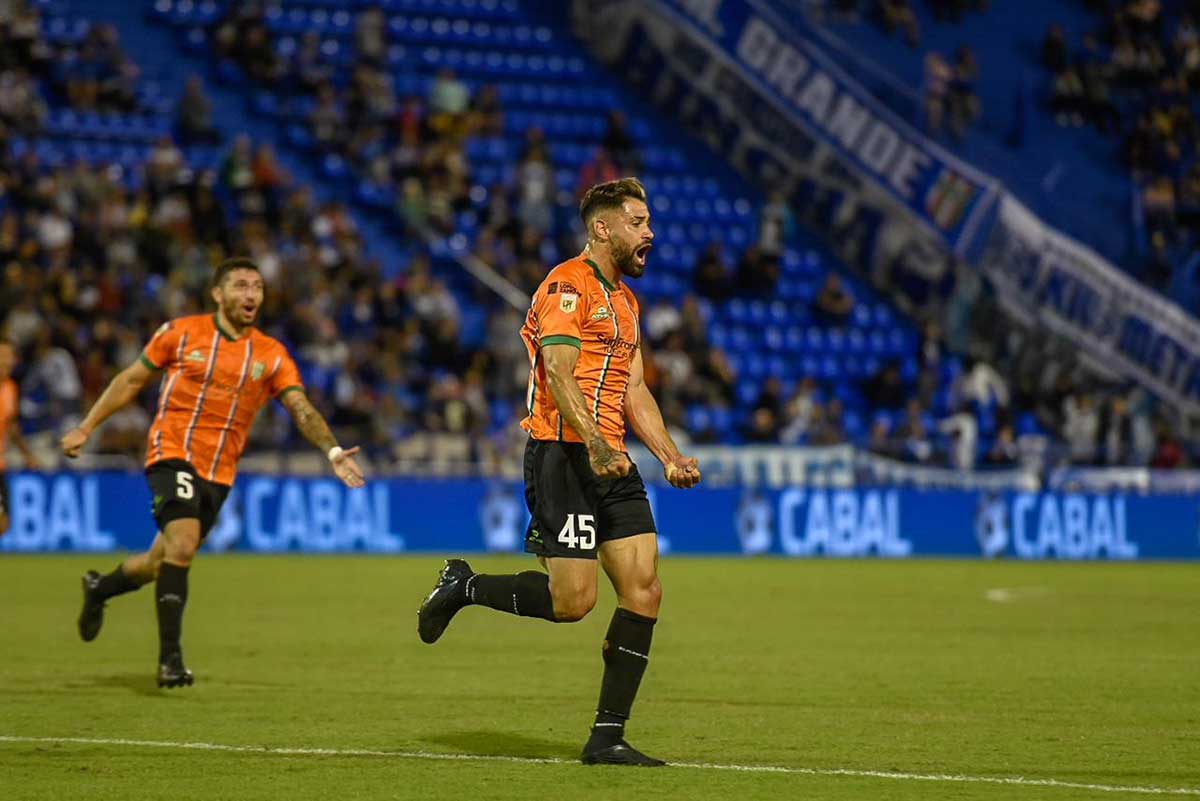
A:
x,y
619,753
91,617
172,673
443,603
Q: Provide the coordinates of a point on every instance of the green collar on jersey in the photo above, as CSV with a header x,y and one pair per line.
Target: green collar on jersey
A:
x,y
596,269
224,333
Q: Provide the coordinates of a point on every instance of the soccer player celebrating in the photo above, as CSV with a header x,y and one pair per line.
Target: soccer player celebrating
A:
x,y
218,371
585,496
9,426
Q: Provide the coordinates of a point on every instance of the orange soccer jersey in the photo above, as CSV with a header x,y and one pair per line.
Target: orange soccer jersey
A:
x,y
212,389
8,413
576,305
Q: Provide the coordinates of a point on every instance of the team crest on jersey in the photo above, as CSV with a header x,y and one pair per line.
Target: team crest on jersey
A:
x,y
601,313
195,356
568,303
257,370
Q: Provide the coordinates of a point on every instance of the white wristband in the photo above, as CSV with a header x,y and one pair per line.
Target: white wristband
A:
x,y
335,452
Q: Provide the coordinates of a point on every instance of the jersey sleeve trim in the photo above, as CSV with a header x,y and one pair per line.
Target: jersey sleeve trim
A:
x,y
286,390
562,339
146,361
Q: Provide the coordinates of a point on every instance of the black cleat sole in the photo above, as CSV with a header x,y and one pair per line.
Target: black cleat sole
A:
x,y
443,602
91,617
620,754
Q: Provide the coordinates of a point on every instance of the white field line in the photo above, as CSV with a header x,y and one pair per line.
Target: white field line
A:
x,y
366,752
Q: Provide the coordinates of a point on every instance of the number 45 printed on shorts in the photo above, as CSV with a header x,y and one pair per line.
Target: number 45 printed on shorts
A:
x,y
585,539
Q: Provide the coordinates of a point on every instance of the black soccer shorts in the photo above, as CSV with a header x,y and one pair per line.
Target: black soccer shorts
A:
x,y
573,512
177,493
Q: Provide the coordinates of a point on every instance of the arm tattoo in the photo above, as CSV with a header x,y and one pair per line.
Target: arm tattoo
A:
x,y
311,424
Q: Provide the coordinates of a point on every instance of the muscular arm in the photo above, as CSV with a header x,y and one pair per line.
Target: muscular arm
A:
x,y
306,417
560,361
314,428
645,418
642,412
120,391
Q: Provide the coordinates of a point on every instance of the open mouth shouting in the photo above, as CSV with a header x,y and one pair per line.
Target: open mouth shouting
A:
x,y
640,254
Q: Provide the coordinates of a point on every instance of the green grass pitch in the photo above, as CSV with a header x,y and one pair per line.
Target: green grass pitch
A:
x,y
1084,674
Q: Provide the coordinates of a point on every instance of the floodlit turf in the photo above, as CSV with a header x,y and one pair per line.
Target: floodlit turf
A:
x,y
1082,673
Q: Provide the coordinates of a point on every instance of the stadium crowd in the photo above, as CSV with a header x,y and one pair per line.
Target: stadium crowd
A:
x,y
95,258
1136,77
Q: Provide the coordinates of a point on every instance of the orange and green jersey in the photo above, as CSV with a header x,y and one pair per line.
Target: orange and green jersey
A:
x,y
212,388
8,413
577,306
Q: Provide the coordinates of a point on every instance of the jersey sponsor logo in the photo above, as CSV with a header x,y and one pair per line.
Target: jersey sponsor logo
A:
x,y
196,356
601,313
568,303
257,370
617,344
566,287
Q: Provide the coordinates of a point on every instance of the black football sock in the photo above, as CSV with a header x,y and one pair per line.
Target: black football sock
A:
x,y
171,593
115,583
626,654
526,594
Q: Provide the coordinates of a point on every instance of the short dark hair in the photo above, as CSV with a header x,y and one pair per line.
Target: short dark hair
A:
x,y
229,265
609,195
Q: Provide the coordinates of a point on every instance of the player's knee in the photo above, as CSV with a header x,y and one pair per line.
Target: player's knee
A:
x,y
573,607
645,597
180,551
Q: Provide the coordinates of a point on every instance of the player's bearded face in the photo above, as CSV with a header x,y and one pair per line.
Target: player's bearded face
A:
x,y
241,297
631,241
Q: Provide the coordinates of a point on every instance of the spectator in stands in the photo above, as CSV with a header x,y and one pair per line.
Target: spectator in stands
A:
x,y
1081,427
1056,55
762,428
826,427
880,441
963,102
307,68
757,273
370,36
193,115
449,101
1168,452
834,304
912,432
885,389
899,15
935,94
599,169
798,413
618,141
963,431
21,107
328,120
1004,452
1067,98
487,115
982,386
776,226
710,277
535,190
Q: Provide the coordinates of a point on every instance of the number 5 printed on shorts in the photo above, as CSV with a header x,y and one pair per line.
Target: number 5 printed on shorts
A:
x,y
586,539
185,489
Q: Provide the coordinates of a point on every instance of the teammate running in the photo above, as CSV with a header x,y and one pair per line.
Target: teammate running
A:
x,y
9,411
585,496
218,372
